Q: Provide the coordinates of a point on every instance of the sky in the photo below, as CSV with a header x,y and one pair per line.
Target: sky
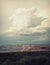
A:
x,y
24,21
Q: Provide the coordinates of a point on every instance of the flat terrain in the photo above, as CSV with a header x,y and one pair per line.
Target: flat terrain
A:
x,y
25,58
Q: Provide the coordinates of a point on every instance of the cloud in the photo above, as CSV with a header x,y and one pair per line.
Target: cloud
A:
x,y
25,21
46,23
36,21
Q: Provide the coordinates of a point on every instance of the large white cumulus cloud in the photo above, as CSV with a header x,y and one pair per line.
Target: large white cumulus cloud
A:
x,y
25,21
